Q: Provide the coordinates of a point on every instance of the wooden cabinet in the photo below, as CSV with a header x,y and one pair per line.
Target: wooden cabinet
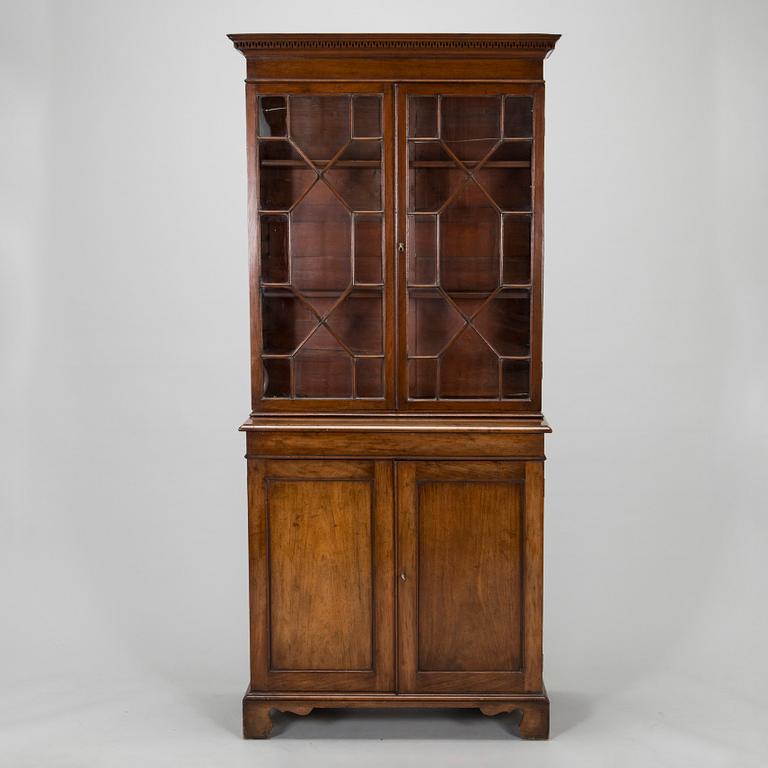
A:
x,y
395,444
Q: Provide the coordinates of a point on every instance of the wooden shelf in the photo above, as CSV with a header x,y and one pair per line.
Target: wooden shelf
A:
x,y
323,163
489,164
436,294
377,164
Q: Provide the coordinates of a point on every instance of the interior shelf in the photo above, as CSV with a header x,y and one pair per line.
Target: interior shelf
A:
x,y
323,163
414,164
470,164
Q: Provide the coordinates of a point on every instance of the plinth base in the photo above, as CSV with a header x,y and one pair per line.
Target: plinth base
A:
x,y
257,707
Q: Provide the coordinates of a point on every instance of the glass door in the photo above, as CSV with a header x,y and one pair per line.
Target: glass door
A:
x,y
469,200
323,216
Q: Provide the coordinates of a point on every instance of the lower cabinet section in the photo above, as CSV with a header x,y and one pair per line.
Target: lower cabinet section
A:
x,y
395,583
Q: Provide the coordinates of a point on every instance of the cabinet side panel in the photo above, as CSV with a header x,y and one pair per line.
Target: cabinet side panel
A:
x,y
258,575
533,580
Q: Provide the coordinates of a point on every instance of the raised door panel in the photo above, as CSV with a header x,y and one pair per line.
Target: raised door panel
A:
x,y
320,536
469,550
321,575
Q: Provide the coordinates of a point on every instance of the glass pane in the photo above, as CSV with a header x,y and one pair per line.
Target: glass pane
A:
x,y
422,117
272,116
360,187
422,378
505,322
511,152
433,177
432,321
366,116
470,237
422,250
356,176
368,249
323,368
357,321
321,247
281,186
509,188
320,125
369,376
469,368
518,116
274,249
277,377
517,250
321,191
515,379
369,150
286,321
470,125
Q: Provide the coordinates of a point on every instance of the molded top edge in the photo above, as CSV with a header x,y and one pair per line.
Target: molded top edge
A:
x,y
397,424
539,45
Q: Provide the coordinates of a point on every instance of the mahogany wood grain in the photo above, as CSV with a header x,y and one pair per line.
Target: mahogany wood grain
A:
x,y
321,575
399,57
355,443
395,541
460,551
320,535
534,707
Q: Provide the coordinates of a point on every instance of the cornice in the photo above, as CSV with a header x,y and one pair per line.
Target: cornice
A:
x,y
354,45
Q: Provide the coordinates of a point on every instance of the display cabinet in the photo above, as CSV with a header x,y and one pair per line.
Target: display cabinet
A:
x,y
395,445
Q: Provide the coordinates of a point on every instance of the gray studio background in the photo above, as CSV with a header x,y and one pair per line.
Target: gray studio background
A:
x,y
124,363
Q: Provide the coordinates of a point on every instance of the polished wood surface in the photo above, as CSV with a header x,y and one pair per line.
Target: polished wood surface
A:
x,y
468,544
395,437
395,446
381,424
403,444
321,552
399,57
460,538
533,707
320,534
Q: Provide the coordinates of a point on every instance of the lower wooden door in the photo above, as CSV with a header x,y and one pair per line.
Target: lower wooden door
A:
x,y
322,575
470,576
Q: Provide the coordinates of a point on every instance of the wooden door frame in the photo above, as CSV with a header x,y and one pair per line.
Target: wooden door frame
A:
x,y
381,677
260,404
529,678
498,88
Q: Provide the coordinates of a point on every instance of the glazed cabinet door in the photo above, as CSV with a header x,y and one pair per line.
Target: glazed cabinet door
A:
x,y
321,181
470,576
469,221
321,569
